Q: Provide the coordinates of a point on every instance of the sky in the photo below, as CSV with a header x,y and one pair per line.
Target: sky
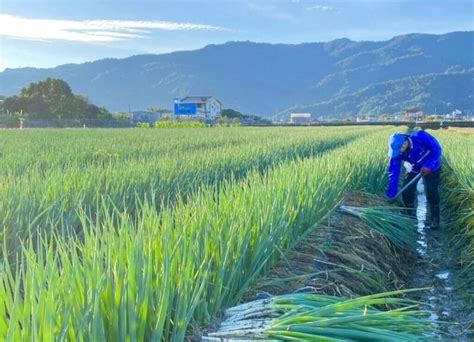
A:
x,y
49,33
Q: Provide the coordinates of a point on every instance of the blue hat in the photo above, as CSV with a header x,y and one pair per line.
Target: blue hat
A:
x,y
394,144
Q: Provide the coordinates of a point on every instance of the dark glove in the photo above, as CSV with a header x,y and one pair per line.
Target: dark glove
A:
x,y
426,171
391,197
392,200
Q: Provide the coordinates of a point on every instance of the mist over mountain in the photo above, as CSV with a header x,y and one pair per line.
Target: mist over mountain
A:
x,y
337,78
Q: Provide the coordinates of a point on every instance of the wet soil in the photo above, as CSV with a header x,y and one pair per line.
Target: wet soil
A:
x,y
435,269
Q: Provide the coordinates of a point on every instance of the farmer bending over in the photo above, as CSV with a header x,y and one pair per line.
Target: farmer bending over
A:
x,y
421,152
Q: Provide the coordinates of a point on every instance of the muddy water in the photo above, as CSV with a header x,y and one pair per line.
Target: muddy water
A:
x,y
434,270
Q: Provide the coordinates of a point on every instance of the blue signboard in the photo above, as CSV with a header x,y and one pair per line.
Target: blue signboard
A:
x,y
185,108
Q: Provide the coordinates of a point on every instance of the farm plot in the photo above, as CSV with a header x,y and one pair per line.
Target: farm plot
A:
x,y
47,176
147,274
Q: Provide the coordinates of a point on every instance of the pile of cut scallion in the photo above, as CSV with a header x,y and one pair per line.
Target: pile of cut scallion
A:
x,y
314,317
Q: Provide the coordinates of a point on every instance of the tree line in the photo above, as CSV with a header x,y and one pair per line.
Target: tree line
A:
x,y
51,99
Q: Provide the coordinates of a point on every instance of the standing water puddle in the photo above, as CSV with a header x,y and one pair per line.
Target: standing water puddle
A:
x,y
433,270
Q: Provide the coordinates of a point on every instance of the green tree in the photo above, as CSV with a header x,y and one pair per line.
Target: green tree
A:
x,y
231,114
53,99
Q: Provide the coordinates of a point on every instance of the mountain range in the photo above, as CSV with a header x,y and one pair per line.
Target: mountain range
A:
x,y
339,78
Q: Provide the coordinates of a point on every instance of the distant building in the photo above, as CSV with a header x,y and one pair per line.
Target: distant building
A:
x,y
414,114
300,118
455,115
369,118
207,107
145,116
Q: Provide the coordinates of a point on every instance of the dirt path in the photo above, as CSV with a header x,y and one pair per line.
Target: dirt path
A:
x,y
435,269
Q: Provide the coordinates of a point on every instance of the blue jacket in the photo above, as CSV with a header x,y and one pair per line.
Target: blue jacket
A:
x,y
420,143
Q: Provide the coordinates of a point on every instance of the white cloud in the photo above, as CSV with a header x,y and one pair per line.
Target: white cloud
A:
x,y
87,30
321,8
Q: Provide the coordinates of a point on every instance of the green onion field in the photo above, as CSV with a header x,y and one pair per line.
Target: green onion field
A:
x,y
151,234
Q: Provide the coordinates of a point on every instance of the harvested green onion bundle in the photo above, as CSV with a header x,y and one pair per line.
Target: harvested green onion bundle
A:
x,y
397,227
312,317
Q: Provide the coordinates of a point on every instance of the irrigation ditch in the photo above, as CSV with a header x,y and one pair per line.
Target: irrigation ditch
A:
x,y
436,269
345,257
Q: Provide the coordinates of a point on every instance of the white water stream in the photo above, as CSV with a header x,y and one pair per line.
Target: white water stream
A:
x,y
433,271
